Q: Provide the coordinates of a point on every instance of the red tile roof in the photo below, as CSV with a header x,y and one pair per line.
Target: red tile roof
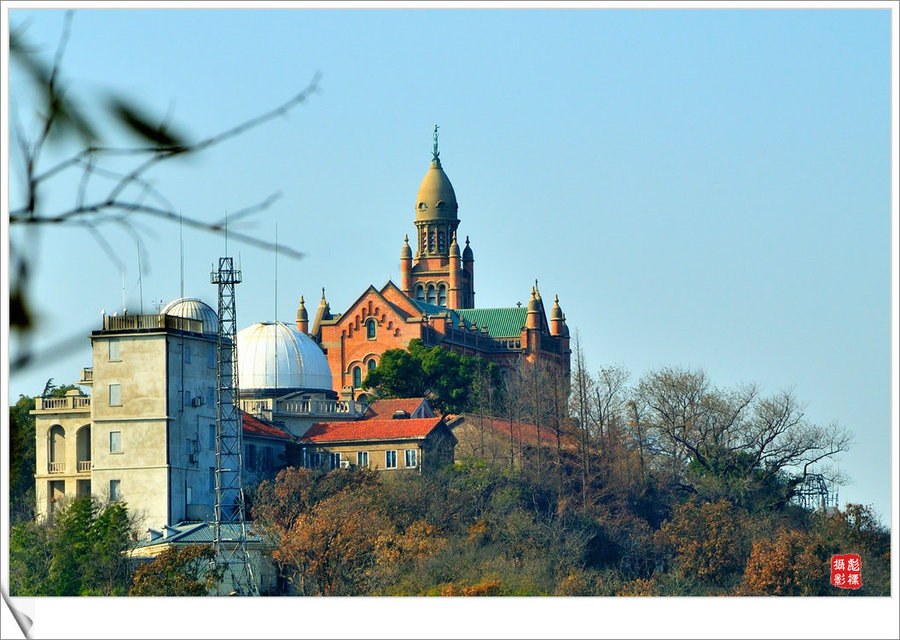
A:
x,y
255,427
385,408
375,429
523,432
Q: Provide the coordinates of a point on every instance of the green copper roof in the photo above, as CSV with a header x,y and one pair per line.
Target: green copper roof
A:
x,y
501,323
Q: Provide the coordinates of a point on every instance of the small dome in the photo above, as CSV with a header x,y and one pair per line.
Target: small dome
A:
x,y
302,316
533,303
436,199
195,309
405,251
467,252
454,247
556,312
273,355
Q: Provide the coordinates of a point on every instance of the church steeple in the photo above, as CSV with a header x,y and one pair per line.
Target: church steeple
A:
x,y
440,272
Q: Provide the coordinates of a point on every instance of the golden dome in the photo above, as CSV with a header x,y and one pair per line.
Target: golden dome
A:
x,y
436,199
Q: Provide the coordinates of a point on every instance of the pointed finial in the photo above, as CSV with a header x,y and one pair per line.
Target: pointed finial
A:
x,y
301,301
323,295
556,299
405,238
434,151
467,241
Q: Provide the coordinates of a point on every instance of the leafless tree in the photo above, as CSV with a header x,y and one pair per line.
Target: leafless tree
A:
x,y
114,188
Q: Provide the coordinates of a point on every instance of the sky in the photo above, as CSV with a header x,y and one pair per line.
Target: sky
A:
x,y
701,188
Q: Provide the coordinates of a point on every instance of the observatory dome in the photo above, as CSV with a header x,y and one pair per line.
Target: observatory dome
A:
x,y
274,355
194,309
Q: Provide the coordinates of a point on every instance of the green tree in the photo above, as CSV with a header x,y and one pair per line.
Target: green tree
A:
x,y
447,378
178,572
81,552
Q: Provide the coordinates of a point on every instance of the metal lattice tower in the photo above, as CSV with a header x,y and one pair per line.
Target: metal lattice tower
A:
x,y
813,493
230,535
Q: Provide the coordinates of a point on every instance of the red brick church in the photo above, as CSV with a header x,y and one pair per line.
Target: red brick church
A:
x,y
434,302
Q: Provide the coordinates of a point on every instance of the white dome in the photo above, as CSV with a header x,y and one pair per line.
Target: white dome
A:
x,y
195,309
276,355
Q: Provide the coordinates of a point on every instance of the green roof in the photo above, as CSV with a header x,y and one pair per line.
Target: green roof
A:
x,y
501,323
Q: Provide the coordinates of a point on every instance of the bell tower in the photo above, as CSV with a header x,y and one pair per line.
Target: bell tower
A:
x,y
437,274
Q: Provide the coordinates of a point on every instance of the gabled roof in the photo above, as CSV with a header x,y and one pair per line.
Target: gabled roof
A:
x,y
385,408
403,314
523,432
254,426
501,323
369,430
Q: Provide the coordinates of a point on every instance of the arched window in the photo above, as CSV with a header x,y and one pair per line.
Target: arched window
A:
x,y
370,329
430,299
431,241
57,452
357,377
440,241
83,448
372,364
442,295
420,293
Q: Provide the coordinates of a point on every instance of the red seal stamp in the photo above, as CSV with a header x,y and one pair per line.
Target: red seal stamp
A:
x,y
846,571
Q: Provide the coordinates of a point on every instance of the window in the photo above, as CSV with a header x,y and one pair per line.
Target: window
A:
x,y
212,479
441,241
210,354
362,458
313,460
357,377
390,459
442,295
187,398
251,456
335,460
411,458
210,396
430,299
115,395
188,495
431,241
187,353
115,490
115,442
371,365
212,436
114,350
370,329
420,293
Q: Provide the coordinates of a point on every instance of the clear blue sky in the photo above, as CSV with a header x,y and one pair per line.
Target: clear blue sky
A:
x,y
701,188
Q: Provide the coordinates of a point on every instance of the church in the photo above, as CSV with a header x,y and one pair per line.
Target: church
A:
x,y
146,433
435,303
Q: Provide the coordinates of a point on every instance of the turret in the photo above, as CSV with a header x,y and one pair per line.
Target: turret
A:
x,y
454,300
557,319
533,317
302,318
406,267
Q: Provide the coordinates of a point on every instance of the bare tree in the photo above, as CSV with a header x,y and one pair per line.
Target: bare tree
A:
x,y
114,187
730,441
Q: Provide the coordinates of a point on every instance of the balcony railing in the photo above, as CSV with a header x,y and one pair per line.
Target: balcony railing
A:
x,y
84,466
123,323
71,403
56,467
87,375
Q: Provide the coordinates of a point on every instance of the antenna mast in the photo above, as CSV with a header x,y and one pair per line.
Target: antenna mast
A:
x,y
230,535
